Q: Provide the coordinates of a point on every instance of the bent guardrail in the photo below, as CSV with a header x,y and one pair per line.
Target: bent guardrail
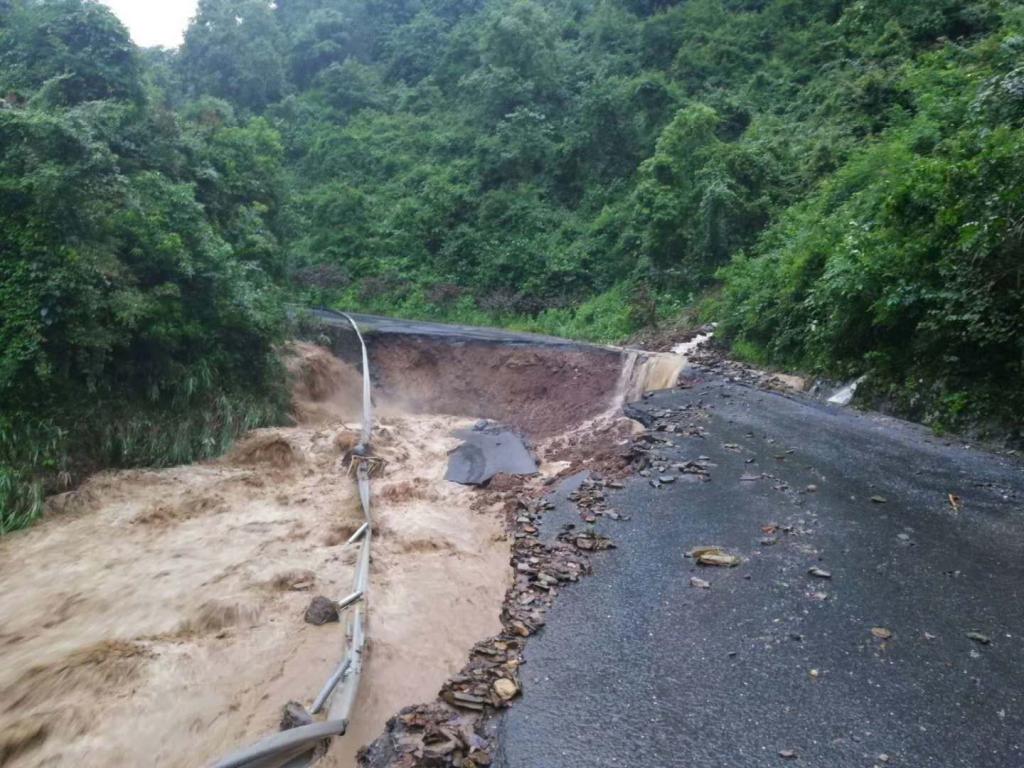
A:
x,y
339,692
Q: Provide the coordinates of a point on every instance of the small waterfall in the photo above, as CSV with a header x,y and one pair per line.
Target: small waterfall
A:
x,y
845,395
644,372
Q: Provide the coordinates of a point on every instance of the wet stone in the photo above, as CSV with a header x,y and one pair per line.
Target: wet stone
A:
x,y
321,610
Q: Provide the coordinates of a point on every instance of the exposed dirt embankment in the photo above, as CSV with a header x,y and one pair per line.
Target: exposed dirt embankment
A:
x,y
539,390
158,619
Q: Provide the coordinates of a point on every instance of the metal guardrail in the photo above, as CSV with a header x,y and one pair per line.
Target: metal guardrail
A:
x,y
339,692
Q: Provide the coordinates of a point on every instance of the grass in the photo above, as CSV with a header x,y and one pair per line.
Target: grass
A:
x,y
39,457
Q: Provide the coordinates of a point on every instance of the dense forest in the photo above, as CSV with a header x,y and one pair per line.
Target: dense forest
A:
x,y
838,183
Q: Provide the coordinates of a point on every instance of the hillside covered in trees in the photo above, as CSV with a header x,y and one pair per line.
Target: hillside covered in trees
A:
x,y
838,183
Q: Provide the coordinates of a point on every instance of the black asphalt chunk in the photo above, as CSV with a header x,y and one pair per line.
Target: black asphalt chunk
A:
x,y
911,653
485,454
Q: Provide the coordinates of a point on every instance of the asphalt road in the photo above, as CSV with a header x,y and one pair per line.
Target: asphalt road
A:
x,y
372,324
637,667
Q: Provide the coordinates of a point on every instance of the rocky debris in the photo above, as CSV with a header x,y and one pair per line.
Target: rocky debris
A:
x,y
588,541
592,501
710,358
294,715
714,556
429,735
452,731
322,610
487,452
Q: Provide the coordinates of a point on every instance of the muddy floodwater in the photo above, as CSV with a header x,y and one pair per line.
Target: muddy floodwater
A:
x,y
158,618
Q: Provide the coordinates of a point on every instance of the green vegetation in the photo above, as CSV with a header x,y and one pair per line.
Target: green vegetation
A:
x,y
844,176
137,251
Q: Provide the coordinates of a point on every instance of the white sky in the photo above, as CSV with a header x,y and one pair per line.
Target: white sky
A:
x,y
155,22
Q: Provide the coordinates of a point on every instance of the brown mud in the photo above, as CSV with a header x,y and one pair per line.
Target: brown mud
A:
x,y
539,390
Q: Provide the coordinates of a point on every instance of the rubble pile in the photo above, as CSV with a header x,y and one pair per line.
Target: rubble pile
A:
x,y
709,359
592,501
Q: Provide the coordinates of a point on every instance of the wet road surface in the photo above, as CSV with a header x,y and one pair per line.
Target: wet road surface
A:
x,y
371,324
772,666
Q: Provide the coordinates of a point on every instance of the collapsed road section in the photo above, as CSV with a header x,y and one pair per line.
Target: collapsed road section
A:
x,y
183,616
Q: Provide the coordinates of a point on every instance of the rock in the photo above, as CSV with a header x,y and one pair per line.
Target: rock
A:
x,y
294,716
881,633
505,688
714,556
699,583
466,700
321,610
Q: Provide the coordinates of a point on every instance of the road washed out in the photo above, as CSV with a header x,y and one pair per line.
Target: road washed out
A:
x,y
175,632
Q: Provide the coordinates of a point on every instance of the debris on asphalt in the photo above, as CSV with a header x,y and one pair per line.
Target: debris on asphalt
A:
x,y
978,637
882,633
879,499
322,610
699,583
505,688
955,502
591,501
787,754
487,452
588,541
714,556
451,731
820,573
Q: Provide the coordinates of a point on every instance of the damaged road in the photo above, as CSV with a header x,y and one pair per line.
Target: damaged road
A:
x,y
874,618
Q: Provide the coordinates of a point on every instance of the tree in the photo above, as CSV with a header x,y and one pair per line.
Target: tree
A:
x,y
234,50
78,50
